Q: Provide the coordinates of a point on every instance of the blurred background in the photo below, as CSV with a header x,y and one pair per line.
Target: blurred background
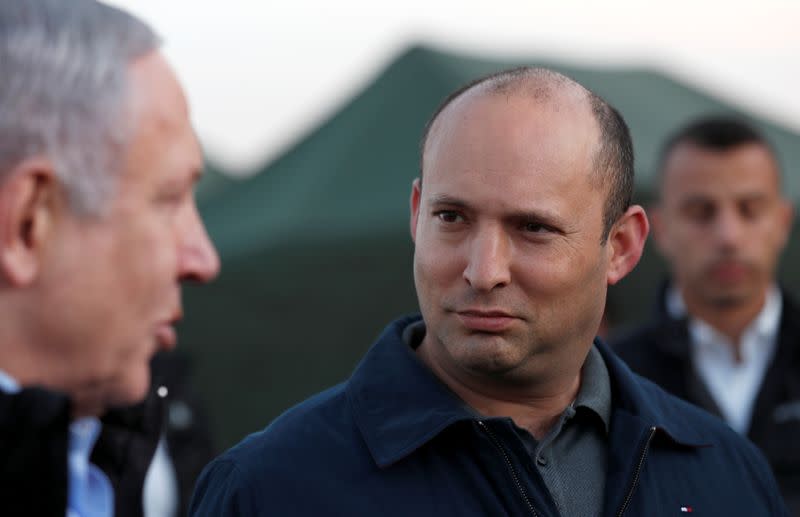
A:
x,y
310,113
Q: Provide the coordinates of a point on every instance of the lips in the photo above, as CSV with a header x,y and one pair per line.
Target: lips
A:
x,y
728,272
166,335
486,321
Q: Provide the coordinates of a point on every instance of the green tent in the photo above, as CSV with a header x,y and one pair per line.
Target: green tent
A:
x,y
316,250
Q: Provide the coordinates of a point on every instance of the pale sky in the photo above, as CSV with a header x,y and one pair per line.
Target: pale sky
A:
x,y
261,73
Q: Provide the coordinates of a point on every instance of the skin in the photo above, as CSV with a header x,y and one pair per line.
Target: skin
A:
x,y
96,297
722,224
509,267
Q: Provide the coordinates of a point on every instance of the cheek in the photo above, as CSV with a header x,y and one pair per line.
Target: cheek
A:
x,y
436,264
559,271
148,256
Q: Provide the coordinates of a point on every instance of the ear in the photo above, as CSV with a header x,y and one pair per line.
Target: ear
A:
x,y
626,243
26,205
786,221
656,216
416,194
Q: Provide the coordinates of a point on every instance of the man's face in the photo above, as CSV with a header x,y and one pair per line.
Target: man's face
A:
x,y
722,222
114,281
509,266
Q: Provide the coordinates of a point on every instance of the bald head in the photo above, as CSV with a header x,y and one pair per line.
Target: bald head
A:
x,y
613,155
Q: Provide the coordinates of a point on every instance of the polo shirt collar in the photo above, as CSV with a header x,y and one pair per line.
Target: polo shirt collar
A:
x,y
595,391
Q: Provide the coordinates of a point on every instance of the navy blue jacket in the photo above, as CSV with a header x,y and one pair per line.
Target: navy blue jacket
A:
x,y
394,441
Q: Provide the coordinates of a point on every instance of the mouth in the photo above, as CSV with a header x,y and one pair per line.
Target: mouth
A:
x,y
486,320
728,272
166,335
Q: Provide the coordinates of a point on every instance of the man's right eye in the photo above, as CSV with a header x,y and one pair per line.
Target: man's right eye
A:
x,y
448,216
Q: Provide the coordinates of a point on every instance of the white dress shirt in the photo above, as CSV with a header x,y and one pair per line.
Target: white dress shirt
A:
x,y
733,384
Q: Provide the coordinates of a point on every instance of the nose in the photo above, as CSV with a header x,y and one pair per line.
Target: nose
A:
x,y
198,259
728,228
489,260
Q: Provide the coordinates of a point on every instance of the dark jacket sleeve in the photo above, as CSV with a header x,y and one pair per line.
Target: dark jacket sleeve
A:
x,y
221,491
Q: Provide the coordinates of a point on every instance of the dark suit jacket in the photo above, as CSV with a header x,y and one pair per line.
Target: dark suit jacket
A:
x,y
660,352
34,430
34,434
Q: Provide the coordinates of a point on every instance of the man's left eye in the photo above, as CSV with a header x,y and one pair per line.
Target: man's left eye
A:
x,y
535,227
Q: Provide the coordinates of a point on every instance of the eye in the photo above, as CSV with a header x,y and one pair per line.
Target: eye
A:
x,y
534,227
449,216
701,212
752,208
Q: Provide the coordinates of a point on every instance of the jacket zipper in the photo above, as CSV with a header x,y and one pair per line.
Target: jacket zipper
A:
x,y
511,469
638,471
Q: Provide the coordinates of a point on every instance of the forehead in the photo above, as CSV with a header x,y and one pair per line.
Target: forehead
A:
x,y
743,170
504,145
163,145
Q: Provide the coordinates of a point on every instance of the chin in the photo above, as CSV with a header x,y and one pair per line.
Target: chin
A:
x,y
132,390
490,357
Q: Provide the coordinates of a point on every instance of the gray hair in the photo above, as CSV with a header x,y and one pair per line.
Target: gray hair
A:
x,y
64,91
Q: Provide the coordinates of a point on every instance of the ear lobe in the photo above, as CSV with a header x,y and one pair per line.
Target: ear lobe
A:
x,y
626,243
26,204
416,194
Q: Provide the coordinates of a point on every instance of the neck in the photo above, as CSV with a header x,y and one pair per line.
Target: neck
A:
x,y
29,368
534,407
730,319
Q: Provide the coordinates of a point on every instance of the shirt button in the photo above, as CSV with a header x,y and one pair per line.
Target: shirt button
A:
x,y
542,461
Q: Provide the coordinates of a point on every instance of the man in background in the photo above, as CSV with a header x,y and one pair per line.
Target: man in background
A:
x,y
725,336
98,228
498,400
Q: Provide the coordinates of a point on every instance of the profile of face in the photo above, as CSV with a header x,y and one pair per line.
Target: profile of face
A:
x,y
722,222
112,282
510,266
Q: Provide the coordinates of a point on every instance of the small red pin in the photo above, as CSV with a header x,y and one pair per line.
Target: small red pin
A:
x,y
686,509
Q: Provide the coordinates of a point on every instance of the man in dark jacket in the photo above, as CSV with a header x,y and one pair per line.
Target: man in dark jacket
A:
x,y
498,401
725,337
98,228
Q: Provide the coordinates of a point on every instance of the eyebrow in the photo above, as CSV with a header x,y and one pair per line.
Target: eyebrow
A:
x,y
702,198
543,216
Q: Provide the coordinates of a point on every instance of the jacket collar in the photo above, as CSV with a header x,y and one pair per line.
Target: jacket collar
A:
x,y
399,404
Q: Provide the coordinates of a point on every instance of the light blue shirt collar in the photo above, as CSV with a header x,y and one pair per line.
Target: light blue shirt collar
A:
x,y
8,384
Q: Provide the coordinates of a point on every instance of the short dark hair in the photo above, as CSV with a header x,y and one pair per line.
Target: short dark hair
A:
x,y
614,159
714,133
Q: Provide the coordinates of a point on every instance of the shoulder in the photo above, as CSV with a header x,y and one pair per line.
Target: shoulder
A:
x,y
716,442
653,348
299,430
313,437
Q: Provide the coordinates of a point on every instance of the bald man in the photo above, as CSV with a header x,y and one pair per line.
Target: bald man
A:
x,y
498,400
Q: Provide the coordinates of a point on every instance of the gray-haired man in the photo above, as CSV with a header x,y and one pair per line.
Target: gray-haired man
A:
x,y
98,228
